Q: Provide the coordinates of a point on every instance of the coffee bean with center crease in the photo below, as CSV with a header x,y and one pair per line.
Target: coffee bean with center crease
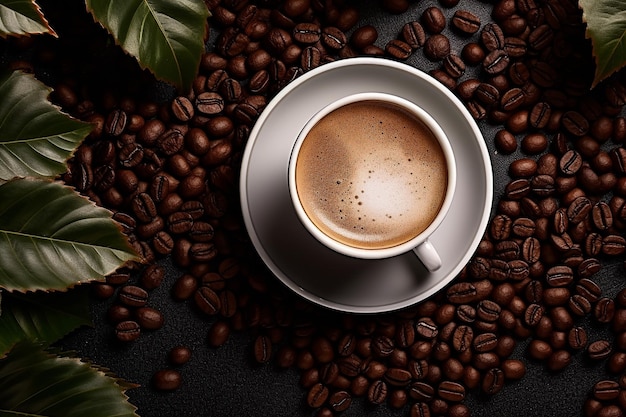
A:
x,y
130,155
116,122
209,103
575,123
433,19
207,300
170,142
377,392
397,377
493,381
382,346
307,33
492,37
466,22
540,37
613,245
340,401
333,38
426,328
133,296
398,49
451,391
462,338
149,318
127,331
496,62
462,292
231,42
182,108
421,391
606,390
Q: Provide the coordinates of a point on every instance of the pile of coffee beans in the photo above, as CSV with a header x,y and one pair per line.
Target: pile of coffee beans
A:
x,y
169,172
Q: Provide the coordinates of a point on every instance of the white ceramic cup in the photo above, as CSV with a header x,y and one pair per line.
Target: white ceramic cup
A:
x,y
420,243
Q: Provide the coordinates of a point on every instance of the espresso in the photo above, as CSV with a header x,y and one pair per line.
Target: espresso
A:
x,y
371,175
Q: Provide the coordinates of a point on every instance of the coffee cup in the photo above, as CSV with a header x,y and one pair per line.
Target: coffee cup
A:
x,y
371,176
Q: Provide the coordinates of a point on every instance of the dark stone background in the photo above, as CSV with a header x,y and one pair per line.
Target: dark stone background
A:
x,y
225,382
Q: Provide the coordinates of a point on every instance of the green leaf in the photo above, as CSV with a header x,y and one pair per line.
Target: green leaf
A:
x,y
22,17
42,317
51,238
37,383
606,27
165,36
36,138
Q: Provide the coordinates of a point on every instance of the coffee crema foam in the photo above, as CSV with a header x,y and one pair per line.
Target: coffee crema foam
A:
x,y
371,175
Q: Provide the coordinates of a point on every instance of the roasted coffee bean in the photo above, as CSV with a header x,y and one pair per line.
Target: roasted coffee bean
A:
x,y
398,49
231,42
466,313
170,142
589,267
533,314
377,392
462,338
454,66
579,305
437,47
575,123
487,94
466,22
262,350
207,300
133,296
604,310
182,108
421,391
433,19
340,401
577,338
514,47
179,355
115,123
333,38
382,346
539,115
606,390
523,227
209,103
559,276
496,62
149,318
130,155
451,391
613,245
493,381
512,99
492,37
462,292
472,53
307,33
166,380
405,334
397,377
117,313
540,37
127,331
349,366
426,328
505,142
420,409
485,342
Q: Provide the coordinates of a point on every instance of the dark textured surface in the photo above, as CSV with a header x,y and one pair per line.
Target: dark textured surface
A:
x,y
225,382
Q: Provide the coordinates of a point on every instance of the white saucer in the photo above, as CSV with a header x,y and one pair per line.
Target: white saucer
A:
x,y
299,260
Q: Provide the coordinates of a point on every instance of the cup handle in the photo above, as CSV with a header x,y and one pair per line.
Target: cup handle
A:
x,y
427,253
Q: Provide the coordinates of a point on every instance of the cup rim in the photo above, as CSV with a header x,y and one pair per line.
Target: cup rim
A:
x,y
379,253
